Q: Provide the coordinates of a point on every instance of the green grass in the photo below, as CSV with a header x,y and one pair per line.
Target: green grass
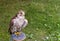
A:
x,y
43,17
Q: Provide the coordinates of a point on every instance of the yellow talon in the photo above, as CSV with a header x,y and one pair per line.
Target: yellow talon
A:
x,y
17,33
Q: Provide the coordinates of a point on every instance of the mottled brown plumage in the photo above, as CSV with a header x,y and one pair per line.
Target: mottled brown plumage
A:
x,y
17,22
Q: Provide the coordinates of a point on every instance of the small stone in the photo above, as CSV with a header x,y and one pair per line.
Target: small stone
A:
x,y
45,24
35,40
47,37
58,24
58,38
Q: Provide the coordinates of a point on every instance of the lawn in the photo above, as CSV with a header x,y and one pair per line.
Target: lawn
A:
x,y
43,17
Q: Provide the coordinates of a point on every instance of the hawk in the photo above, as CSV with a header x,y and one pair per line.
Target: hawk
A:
x,y
18,22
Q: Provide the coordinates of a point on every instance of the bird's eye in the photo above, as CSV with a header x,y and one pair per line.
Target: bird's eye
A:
x,y
21,13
